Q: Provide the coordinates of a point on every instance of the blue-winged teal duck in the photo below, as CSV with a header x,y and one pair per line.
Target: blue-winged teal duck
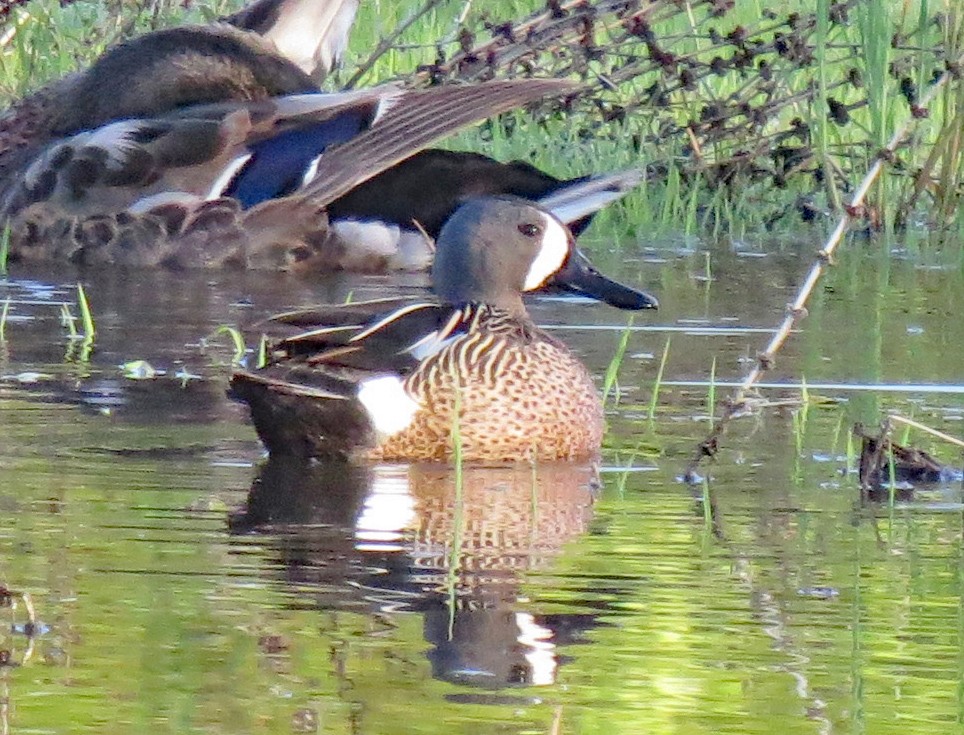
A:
x,y
207,153
209,183
375,221
392,379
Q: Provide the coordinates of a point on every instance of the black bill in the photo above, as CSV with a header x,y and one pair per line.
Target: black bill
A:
x,y
580,276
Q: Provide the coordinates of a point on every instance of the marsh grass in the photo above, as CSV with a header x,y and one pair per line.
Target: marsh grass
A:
x,y
3,319
891,479
4,249
838,430
236,340
69,322
707,501
262,354
458,512
747,120
851,454
86,316
711,394
658,381
611,379
797,435
80,341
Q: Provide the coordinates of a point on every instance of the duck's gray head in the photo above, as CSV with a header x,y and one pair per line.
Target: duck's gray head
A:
x,y
494,249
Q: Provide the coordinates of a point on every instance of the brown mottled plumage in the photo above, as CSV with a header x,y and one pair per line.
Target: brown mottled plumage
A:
x,y
137,160
520,394
397,380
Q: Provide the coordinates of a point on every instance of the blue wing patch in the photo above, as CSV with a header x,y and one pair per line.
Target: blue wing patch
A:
x,y
278,164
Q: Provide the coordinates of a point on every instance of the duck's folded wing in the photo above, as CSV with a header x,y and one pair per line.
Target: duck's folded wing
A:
x,y
417,120
188,189
250,151
574,202
364,336
304,401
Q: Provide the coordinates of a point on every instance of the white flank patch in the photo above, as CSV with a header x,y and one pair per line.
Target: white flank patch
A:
x,y
389,407
555,248
227,176
365,240
415,252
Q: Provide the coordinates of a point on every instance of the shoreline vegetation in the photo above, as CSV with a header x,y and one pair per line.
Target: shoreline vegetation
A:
x,y
751,123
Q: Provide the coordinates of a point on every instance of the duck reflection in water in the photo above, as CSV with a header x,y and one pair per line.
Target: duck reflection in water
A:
x,y
401,539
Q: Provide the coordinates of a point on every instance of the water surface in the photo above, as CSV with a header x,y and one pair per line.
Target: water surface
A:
x,y
180,583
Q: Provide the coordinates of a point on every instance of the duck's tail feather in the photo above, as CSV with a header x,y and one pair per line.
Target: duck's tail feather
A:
x,y
313,34
293,417
576,201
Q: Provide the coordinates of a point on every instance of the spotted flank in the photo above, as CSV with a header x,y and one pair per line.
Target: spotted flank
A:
x,y
395,379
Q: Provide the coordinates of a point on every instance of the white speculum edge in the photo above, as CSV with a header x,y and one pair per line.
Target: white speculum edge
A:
x,y
227,176
555,248
389,407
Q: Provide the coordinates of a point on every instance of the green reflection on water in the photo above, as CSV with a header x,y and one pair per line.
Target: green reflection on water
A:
x,y
797,610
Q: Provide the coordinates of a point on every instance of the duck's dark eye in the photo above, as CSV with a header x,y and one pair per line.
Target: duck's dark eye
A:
x,y
529,230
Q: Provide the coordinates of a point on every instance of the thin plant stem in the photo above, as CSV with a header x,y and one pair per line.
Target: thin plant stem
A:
x,y
711,394
458,512
4,249
797,310
387,43
923,427
86,317
654,398
609,382
237,339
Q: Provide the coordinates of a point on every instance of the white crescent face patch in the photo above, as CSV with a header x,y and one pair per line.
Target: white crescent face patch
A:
x,y
555,249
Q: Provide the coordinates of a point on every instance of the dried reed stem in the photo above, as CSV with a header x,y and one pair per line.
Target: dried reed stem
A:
x,y
796,310
388,42
926,429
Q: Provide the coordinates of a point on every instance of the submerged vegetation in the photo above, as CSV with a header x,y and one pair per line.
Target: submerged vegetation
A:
x,y
748,119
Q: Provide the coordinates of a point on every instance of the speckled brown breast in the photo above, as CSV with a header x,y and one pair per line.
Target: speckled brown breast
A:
x,y
520,395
